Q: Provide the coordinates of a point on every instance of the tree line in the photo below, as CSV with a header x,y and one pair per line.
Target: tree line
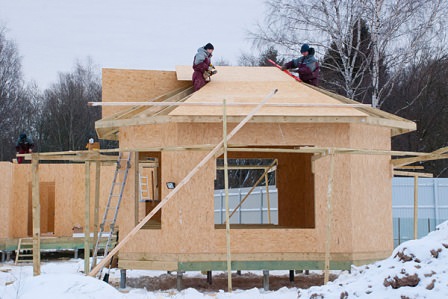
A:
x,y
390,54
56,118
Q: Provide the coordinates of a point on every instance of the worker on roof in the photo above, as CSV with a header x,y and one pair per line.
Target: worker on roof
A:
x,y
202,66
24,145
306,65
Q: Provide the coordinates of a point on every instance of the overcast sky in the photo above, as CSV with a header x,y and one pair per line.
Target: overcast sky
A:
x,y
135,34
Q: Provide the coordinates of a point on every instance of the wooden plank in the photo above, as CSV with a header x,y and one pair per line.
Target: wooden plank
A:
x,y
87,219
410,167
207,158
163,119
413,174
268,198
96,210
214,104
36,213
415,207
136,185
226,190
329,217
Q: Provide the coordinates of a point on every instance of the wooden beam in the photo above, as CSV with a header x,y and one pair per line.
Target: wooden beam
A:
x,y
413,174
96,210
323,150
174,191
410,167
163,119
247,167
329,219
36,213
441,153
268,197
226,191
87,219
231,104
136,185
415,207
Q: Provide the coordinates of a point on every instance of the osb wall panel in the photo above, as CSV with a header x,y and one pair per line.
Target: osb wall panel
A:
x,y
371,178
136,85
5,198
69,182
179,134
187,220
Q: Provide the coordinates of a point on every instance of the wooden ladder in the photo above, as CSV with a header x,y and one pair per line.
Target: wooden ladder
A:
x,y
24,252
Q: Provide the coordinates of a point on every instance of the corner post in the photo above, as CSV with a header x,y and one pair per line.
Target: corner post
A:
x,y
36,213
87,219
226,187
329,217
97,204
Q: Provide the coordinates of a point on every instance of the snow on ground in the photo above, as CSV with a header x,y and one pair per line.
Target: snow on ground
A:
x,y
416,269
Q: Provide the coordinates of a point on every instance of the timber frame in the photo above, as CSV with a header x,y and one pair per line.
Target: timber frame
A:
x,y
159,110
98,157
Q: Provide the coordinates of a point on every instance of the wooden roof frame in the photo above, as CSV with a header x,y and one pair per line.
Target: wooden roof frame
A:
x,y
157,111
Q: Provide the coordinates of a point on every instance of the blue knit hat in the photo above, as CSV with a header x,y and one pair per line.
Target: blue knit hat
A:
x,y
304,48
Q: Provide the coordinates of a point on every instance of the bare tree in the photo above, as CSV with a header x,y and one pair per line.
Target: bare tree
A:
x,y
12,96
221,61
399,28
67,122
421,94
247,59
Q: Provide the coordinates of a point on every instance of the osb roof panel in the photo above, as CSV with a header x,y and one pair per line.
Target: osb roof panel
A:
x,y
251,85
237,74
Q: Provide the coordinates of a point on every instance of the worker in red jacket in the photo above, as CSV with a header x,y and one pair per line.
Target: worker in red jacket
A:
x,y
24,145
201,65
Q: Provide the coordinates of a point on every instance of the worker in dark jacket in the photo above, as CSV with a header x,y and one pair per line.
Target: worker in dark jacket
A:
x,y
24,145
307,65
201,64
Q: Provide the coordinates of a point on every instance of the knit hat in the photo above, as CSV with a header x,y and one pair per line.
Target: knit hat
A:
x,y
304,48
209,46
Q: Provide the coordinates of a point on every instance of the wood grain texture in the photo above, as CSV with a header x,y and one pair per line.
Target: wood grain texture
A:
x,y
136,85
67,180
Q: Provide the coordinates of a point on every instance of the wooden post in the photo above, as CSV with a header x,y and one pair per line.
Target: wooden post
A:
x,y
87,219
415,207
136,185
36,213
268,198
226,191
329,219
97,206
181,184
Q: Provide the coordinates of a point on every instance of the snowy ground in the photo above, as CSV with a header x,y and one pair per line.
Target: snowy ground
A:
x,y
416,269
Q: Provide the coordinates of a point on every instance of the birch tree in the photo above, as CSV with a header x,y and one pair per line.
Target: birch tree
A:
x,y
399,28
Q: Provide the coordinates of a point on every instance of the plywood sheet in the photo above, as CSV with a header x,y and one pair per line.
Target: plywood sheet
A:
x,y
120,85
237,74
6,179
254,92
